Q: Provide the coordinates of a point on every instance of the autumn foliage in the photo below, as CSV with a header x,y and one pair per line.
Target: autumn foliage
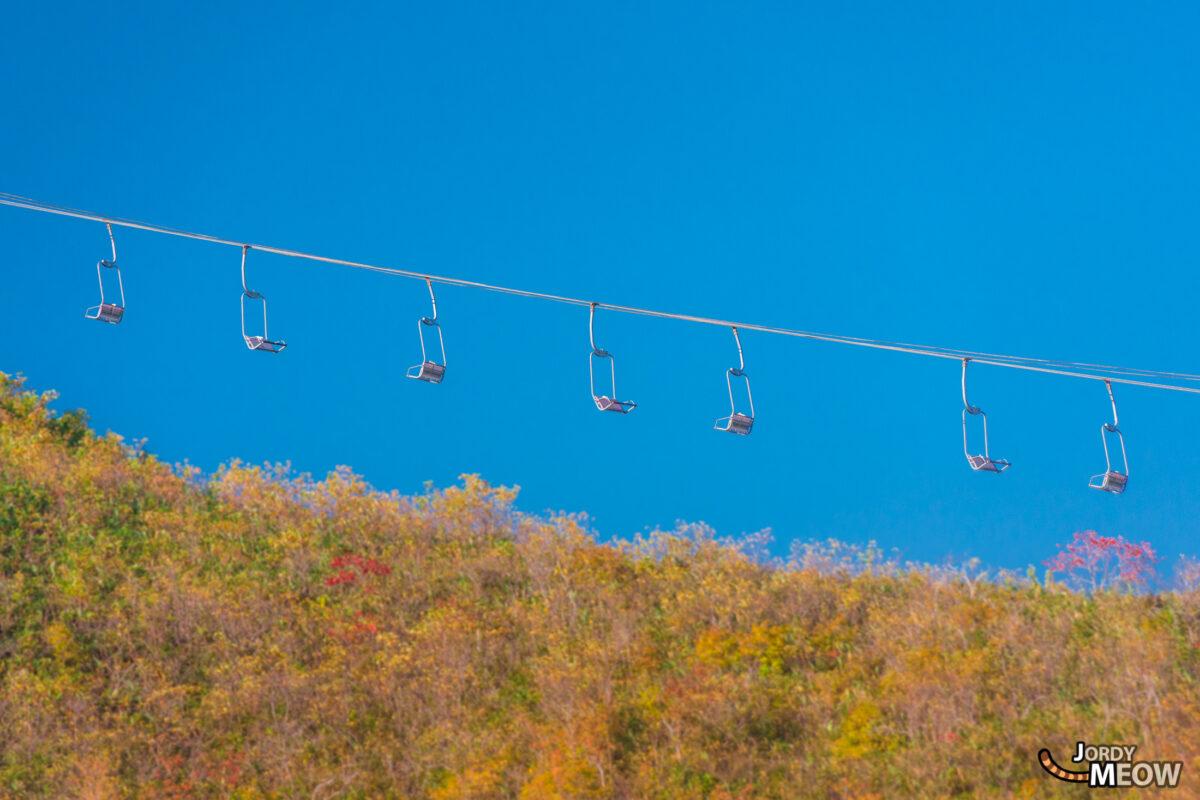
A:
x,y
256,634
1095,562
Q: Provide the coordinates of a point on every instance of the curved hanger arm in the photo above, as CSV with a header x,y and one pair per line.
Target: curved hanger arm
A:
x,y
249,292
112,239
1113,400
966,405
592,334
741,367
433,299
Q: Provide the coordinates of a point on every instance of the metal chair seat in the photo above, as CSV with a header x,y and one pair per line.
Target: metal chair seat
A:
x,y
266,345
429,371
605,403
736,423
106,312
985,464
1111,481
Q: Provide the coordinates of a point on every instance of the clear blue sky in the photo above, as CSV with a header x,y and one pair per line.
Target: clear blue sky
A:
x,y
1017,178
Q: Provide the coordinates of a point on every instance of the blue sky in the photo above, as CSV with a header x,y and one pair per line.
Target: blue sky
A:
x,y
1016,178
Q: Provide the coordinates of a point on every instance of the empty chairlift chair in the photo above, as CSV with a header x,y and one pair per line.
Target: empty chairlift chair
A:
x,y
604,402
737,423
108,312
429,370
264,342
1111,480
984,462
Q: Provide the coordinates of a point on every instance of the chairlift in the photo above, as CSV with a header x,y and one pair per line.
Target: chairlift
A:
x,y
604,402
428,370
1111,480
108,312
984,462
737,423
264,342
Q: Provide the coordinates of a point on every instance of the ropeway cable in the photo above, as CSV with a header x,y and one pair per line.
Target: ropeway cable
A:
x,y
1124,375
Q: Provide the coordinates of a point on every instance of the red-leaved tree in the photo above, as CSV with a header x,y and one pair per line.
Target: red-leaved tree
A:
x,y
1096,562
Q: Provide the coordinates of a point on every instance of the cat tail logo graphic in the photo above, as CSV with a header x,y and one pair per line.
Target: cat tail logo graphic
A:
x,y
1054,769
1112,766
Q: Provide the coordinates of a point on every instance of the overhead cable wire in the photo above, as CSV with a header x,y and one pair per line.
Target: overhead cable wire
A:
x,y
1123,375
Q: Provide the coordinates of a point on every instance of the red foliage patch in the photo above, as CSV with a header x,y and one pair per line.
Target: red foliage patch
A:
x,y
368,566
1102,562
358,565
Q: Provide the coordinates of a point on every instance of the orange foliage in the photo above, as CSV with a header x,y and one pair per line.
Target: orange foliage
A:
x,y
263,635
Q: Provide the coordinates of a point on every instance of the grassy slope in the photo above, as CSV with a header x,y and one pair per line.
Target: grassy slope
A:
x,y
265,636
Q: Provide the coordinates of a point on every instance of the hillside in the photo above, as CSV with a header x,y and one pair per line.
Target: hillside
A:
x,y
255,634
